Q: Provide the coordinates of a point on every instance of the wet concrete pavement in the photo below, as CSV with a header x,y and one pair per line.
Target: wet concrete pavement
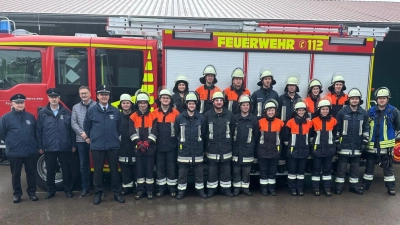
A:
x,y
374,207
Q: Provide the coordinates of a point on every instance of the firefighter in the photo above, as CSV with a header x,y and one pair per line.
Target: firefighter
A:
x,y
55,139
102,125
236,90
245,127
384,122
188,127
127,158
180,90
22,152
336,92
351,140
143,134
167,145
82,141
297,141
314,94
207,90
269,147
265,92
286,103
323,147
218,134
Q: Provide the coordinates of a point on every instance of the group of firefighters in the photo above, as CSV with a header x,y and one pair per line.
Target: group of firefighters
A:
x,y
232,129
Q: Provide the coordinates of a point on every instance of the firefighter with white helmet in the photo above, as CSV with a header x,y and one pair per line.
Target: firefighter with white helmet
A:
x,y
286,102
323,147
384,122
143,134
236,90
207,90
265,92
336,92
314,94
269,147
245,126
351,140
180,90
296,139
218,134
127,159
188,127
166,144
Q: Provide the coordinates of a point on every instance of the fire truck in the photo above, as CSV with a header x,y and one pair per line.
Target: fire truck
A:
x,y
149,53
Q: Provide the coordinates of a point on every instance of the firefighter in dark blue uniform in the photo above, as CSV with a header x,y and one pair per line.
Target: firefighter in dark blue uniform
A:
x,y
102,125
20,125
55,140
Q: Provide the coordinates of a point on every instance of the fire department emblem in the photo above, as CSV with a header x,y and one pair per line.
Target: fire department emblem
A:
x,y
28,122
111,117
61,117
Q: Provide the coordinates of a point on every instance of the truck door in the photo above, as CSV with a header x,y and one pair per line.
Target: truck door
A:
x,y
71,72
121,70
21,72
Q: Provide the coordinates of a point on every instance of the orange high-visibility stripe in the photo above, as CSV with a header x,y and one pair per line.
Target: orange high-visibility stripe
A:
x,y
334,99
276,125
203,93
295,128
148,120
232,95
310,105
169,118
317,123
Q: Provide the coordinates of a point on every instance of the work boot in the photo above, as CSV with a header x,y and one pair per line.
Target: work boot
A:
x,y
300,193
33,197
126,191
327,192
293,193
97,199
84,194
201,194
149,195
69,194
160,193
180,194
365,186
236,191
357,190
246,192
316,191
264,191
49,195
172,192
338,191
272,191
139,195
227,192
118,198
391,191
17,199
210,192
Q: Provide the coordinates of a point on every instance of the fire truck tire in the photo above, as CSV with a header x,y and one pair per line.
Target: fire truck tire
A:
x,y
41,172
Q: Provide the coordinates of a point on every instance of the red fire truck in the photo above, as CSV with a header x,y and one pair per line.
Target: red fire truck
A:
x,y
152,52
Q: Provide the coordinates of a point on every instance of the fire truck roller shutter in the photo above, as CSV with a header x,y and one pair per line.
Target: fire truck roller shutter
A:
x,y
192,63
281,64
354,67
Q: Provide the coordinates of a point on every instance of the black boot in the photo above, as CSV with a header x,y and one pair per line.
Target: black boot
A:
x,y
300,193
264,191
272,191
366,185
339,188
293,193
180,194
357,190
172,192
210,192
160,193
126,191
327,192
236,191
316,191
227,192
246,192
149,195
139,195
201,194
391,191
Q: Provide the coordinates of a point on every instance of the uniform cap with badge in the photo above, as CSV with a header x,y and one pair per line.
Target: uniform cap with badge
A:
x,y
53,92
103,89
18,98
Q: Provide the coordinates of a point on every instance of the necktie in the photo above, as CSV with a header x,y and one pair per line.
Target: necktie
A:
x,y
104,108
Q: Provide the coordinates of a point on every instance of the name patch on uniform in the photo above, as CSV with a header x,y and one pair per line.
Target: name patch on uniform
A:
x,y
111,117
61,117
28,122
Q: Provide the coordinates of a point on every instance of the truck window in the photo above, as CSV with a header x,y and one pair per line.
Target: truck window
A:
x,y
71,71
121,70
19,67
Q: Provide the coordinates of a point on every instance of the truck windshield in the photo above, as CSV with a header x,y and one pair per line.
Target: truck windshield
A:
x,y
19,67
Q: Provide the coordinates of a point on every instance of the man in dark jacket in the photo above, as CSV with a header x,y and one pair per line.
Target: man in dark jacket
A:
x,y
219,146
265,92
20,125
286,103
167,145
188,127
103,127
352,139
245,127
127,158
55,140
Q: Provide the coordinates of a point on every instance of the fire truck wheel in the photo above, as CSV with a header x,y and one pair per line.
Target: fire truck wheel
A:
x,y
41,172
